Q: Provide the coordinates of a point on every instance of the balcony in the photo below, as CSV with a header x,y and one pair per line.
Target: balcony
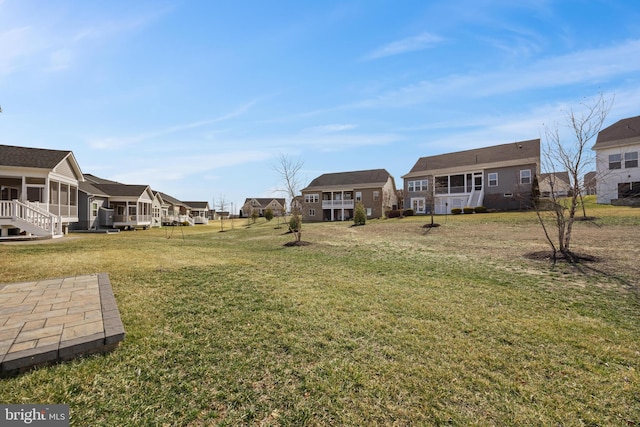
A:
x,y
337,204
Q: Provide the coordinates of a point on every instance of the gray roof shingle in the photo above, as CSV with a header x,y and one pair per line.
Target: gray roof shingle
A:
x,y
620,130
354,178
31,157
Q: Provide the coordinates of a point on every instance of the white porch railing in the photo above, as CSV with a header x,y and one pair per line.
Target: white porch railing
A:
x,y
329,204
30,218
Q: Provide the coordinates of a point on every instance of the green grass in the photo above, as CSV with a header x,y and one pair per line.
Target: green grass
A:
x,y
384,324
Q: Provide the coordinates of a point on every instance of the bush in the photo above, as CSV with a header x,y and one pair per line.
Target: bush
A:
x,y
480,209
456,211
409,212
360,215
293,224
467,210
394,213
268,214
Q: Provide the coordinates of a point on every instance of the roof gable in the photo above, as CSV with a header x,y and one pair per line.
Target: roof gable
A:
x,y
497,153
615,134
354,178
62,161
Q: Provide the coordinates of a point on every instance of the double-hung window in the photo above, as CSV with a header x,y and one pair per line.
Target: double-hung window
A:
x,y
615,161
525,176
631,160
493,179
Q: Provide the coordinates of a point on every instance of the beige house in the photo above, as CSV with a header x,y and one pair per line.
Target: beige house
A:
x,y
333,196
199,212
557,184
496,177
260,205
38,192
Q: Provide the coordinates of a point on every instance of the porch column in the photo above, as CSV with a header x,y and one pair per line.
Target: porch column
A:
x,y
23,189
342,203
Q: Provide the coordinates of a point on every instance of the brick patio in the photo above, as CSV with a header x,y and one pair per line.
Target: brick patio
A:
x,y
56,319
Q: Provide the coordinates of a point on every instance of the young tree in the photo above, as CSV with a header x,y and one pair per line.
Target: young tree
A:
x,y
360,215
289,171
222,206
268,214
574,157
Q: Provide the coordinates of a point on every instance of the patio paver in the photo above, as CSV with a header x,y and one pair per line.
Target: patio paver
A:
x,y
56,319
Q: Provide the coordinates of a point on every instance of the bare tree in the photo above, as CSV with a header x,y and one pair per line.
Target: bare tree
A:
x,y
575,158
222,206
288,169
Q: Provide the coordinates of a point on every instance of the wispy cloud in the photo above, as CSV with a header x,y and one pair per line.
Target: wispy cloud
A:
x,y
330,128
587,66
409,44
123,141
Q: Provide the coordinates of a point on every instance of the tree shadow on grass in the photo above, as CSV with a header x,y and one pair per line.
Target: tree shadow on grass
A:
x,y
586,265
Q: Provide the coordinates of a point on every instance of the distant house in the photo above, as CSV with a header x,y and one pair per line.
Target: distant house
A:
x,y
38,191
555,184
497,177
260,204
174,211
617,148
333,196
589,183
199,212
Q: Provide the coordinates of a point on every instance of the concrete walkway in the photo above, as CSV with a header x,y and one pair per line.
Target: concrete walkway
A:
x,y
58,319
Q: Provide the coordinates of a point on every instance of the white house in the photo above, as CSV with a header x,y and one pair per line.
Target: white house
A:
x,y
618,174
38,191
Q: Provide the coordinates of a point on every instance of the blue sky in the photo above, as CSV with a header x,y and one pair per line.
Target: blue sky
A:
x,y
199,98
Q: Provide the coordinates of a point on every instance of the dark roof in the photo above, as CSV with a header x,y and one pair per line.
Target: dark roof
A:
x,y
172,200
97,180
355,178
620,130
496,153
122,190
31,157
89,188
197,205
263,201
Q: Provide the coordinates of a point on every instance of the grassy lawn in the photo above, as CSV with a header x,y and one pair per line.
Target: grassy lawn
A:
x,y
386,324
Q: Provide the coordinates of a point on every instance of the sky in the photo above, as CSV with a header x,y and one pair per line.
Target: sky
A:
x,y
200,99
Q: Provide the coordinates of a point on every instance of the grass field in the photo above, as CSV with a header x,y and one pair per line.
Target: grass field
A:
x,y
386,324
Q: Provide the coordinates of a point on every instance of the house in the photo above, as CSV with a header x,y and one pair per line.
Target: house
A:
x,y
38,191
108,204
278,206
556,184
618,175
199,212
175,212
590,183
333,196
496,177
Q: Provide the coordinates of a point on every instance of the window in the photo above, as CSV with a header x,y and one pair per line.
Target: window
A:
x,y
94,209
358,196
311,198
312,212
35,194
376,196
493,179
508,194
420,185
631,160
525,176
369,212
615,161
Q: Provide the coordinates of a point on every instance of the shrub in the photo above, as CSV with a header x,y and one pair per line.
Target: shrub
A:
x,y
456,211
293,224
480,209
268,214
467,210
394,213
409,212
360,215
